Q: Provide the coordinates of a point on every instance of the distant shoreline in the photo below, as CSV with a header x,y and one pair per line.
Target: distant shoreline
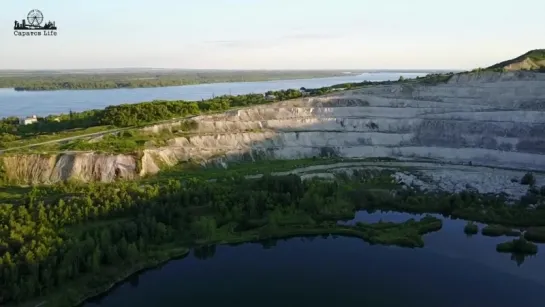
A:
x,y
89,80
150,82
52,82
106,71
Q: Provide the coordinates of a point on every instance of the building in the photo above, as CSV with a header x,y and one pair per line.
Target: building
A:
x,y
29,120
270,97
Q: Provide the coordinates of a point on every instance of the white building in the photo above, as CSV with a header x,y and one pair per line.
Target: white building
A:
x,y
29,120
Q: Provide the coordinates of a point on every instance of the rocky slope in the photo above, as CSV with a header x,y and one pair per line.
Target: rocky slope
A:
x,y
487,118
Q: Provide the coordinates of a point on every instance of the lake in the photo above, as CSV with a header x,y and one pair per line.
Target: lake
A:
x,y
41,103
453,270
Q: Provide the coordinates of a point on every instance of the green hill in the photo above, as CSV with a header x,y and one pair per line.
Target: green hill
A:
x,y
531,60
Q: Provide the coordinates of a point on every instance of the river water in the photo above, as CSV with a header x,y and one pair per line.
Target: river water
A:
x,y
453,270
41,103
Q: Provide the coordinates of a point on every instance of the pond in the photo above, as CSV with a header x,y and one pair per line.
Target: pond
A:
x,y
452,270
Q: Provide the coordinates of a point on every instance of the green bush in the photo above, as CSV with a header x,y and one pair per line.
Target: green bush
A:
x,y
498,230
535,234
519,246
528,179
471,228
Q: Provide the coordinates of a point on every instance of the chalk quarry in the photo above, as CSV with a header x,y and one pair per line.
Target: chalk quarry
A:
x,y
486,119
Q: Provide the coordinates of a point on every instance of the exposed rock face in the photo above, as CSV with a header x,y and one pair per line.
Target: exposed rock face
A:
x,y
43,169
487,118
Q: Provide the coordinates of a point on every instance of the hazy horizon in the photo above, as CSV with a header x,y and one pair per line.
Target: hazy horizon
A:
x,y
347,70
272,34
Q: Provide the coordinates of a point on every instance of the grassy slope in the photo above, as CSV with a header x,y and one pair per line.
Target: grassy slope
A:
x,y
534,57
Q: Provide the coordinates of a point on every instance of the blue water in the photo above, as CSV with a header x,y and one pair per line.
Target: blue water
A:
x,y
453,270
13,103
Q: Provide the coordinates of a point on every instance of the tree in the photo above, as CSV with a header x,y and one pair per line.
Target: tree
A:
x,y
528,179
204,227
122,248
95,260
132,253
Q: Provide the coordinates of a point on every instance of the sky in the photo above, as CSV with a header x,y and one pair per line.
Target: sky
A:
x,y
273,34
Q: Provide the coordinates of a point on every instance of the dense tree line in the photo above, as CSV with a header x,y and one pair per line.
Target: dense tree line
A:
x,y
46,244
59,81
134,114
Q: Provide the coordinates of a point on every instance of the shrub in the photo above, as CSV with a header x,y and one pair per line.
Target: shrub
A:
x,y
528,179
535,234
498,230
520,246
529,199
471,228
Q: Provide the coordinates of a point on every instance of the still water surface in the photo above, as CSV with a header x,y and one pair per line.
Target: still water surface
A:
x,y
453,270
41,103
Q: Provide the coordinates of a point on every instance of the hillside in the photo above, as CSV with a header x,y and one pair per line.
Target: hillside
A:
x,y
488,119
531,60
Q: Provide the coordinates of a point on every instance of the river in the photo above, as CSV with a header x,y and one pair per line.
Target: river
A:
x,y
41,103
453,270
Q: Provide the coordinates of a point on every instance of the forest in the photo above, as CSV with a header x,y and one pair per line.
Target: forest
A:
x,y
87,234
45,81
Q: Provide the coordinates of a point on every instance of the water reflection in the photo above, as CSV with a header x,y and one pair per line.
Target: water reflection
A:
x,y
451,241
134,280
204,252
518,258
318,271
270,243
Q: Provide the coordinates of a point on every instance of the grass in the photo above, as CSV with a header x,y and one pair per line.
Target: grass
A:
x,y
499,230
471,228
12,193
128,141
245,168
235,169
406,234
534,55
55,136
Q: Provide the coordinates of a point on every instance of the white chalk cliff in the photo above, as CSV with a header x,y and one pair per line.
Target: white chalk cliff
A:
x,y
487,118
